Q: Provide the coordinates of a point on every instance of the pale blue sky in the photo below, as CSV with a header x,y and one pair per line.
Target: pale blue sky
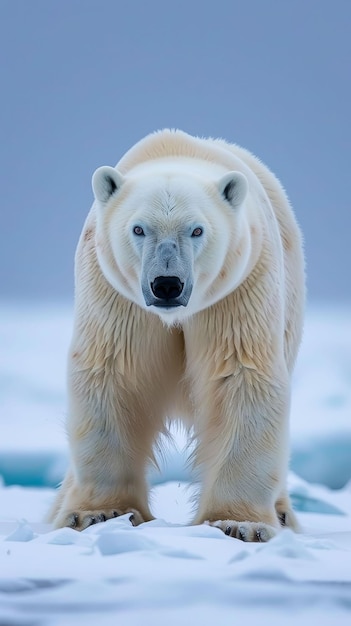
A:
x,y
83,80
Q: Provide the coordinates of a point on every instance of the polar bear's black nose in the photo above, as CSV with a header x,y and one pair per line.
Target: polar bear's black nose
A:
x,y
167,287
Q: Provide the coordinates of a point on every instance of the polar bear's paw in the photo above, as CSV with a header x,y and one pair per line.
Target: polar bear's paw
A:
x,y
246,531
79,520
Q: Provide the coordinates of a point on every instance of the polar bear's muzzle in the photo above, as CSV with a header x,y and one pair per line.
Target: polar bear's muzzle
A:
x,y
167,292
167,280
167,288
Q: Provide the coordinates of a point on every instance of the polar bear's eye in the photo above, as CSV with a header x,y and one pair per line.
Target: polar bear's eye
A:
x,y
197,232
137,230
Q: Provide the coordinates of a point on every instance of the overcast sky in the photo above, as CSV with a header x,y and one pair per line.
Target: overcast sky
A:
x,y
81,81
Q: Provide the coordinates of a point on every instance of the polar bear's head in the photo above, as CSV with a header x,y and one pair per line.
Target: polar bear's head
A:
x,y
173,242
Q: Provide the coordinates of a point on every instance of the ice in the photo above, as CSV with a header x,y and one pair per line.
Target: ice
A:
x,y
288,544
117,543
23,532
66,537
321,399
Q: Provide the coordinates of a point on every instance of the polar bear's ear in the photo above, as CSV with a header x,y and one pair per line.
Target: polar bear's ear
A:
x,y
106,181
233,187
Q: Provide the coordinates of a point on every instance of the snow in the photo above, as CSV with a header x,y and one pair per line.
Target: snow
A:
x,y
166,570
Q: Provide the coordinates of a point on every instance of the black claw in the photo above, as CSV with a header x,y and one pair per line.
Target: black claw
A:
x,y
93,520
101,517
228,530
132,519
258,535
115,513
282,519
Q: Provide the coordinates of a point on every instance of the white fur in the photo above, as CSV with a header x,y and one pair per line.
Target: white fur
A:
x,y
220,356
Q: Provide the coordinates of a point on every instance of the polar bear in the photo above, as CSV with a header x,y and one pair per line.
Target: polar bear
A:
x,y
189,304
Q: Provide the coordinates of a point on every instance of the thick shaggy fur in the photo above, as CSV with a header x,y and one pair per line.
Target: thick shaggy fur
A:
x,y
222,362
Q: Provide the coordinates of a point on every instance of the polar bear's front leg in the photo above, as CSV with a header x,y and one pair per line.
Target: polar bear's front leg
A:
x,y
74,507
242,452
111,434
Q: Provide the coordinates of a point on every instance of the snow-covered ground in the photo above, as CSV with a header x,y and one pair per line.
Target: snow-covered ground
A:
x,y
166,570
